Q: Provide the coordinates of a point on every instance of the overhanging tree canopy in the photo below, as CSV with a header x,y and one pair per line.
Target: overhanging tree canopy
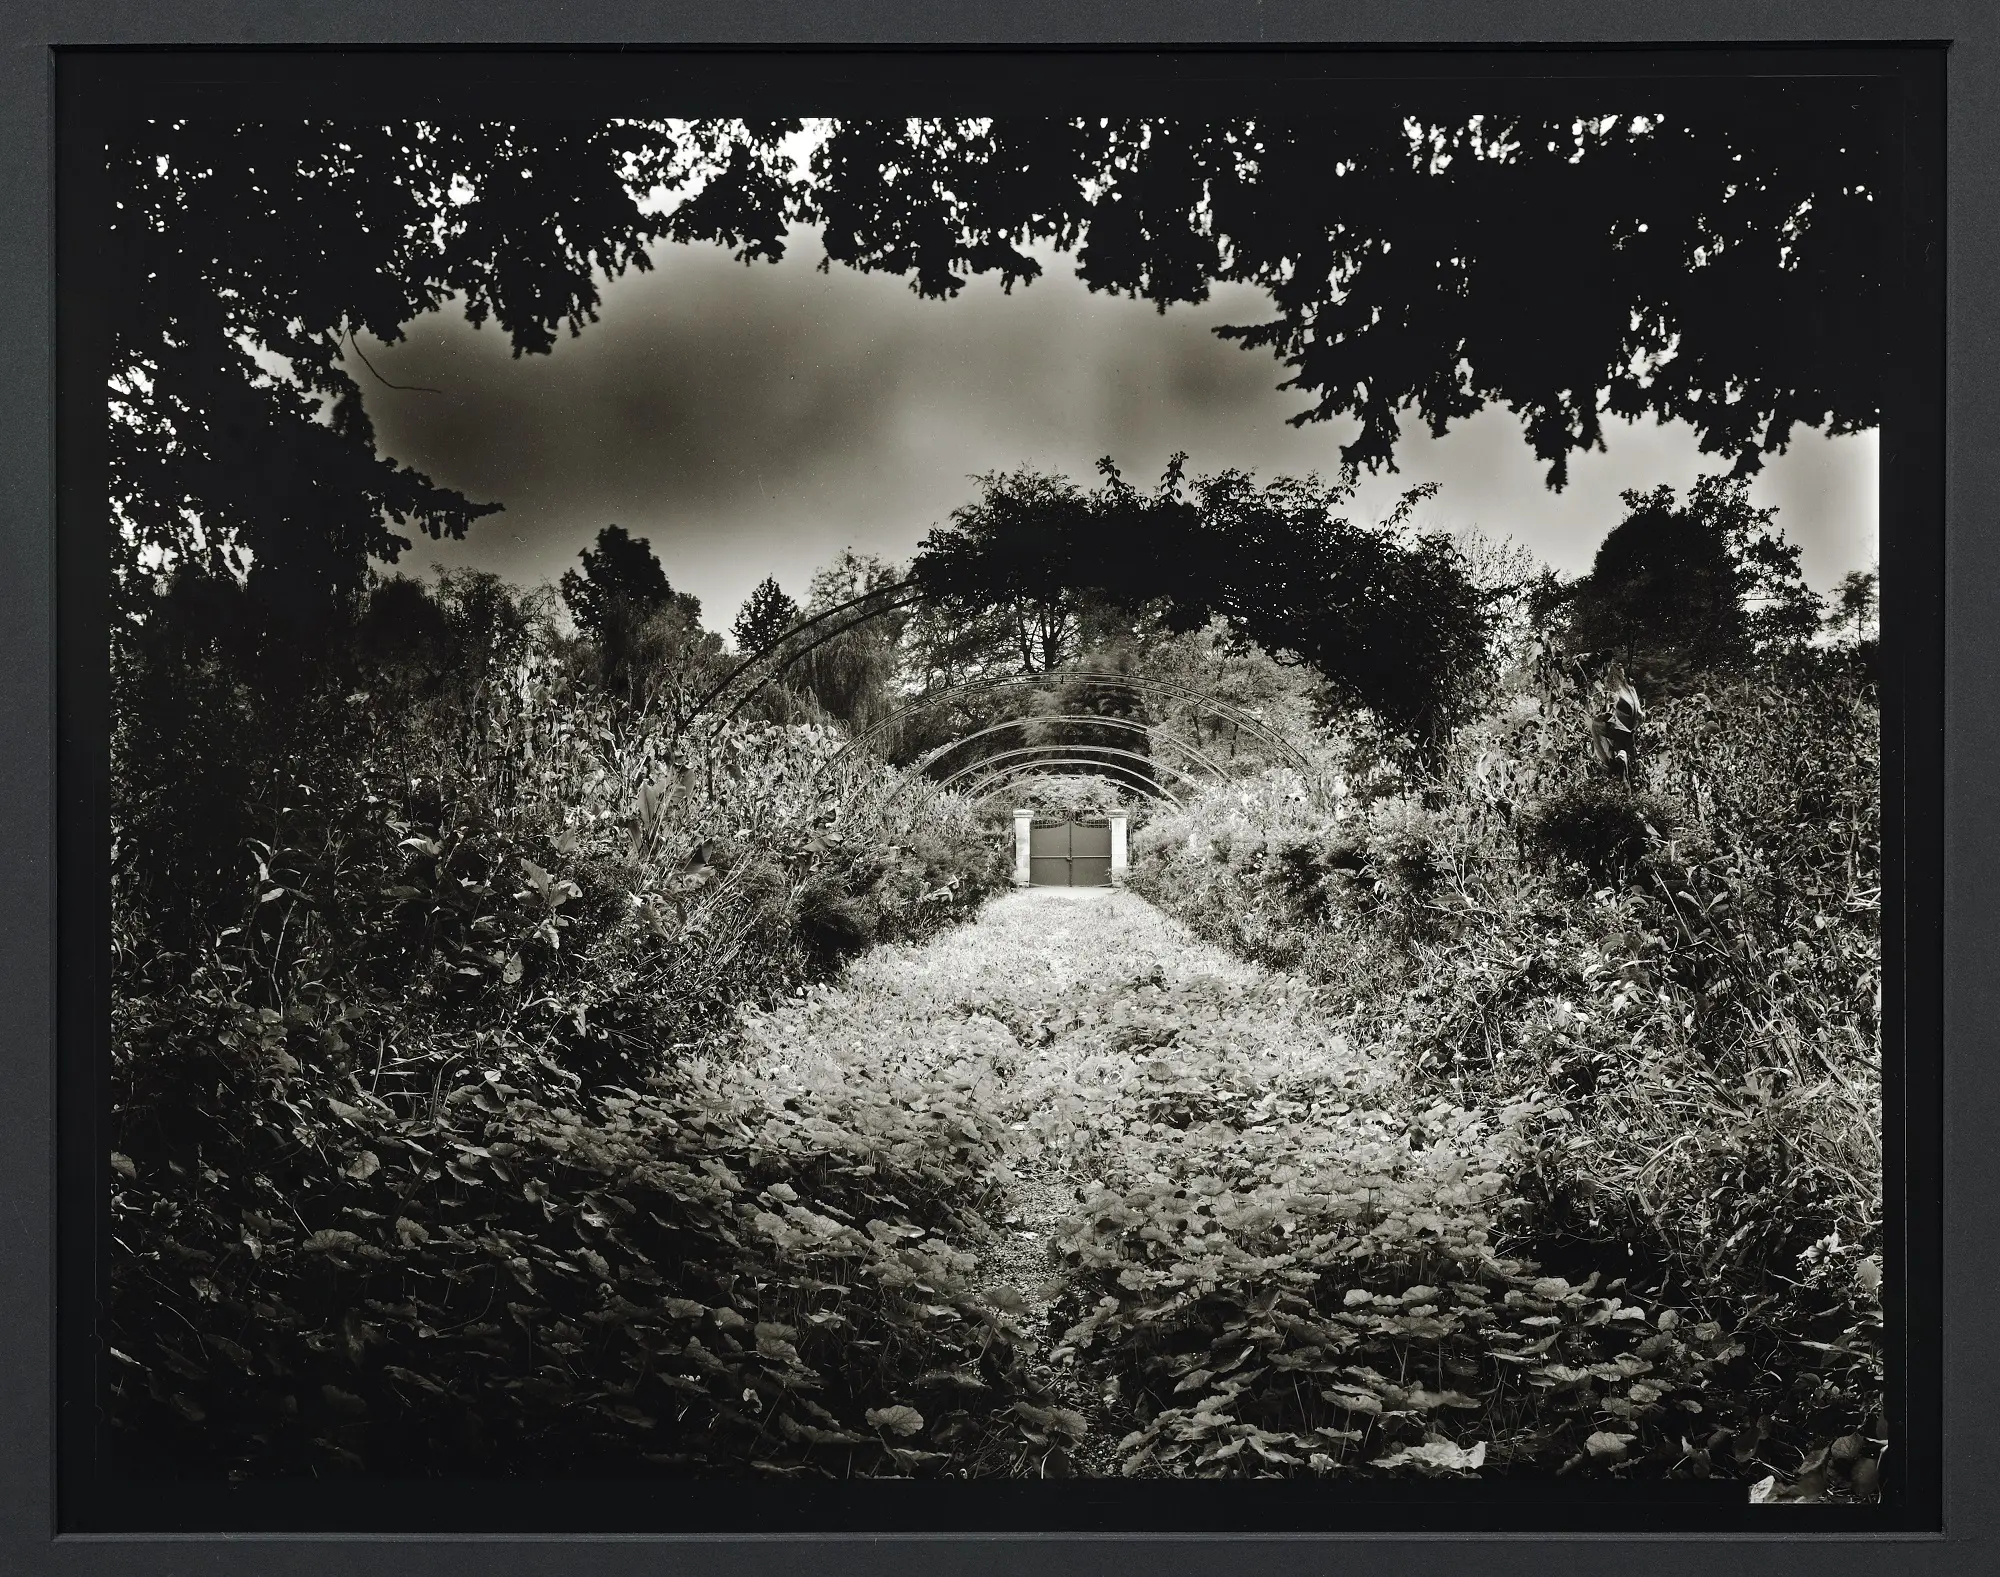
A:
x,y
1719,267
245,257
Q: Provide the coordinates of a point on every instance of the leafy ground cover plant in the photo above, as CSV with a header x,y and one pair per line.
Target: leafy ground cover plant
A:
x,y
1683,966
415,1164
1239,1243
505,1275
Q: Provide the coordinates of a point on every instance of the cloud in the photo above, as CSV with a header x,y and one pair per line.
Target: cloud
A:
x,y
754,420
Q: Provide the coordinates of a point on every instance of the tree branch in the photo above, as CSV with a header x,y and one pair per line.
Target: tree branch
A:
x,y
407,388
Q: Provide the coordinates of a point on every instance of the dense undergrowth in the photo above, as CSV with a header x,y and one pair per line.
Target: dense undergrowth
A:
x,y
416,1166
1670,976
478,1104
1265,1252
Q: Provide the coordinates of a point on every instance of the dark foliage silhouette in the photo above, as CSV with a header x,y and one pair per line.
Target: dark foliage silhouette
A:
x,y
765,615
232,244
1680,590
621,569
1716,267
1388,617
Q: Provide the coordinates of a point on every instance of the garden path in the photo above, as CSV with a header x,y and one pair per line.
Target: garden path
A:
x,y
1110,1047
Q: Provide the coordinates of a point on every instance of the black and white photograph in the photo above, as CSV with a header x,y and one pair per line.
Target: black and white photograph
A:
x,y
1125,795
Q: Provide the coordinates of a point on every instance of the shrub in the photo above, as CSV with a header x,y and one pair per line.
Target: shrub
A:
x,y
1599,826
1702,1013
416,1165
1063,794
1694,589
1264,869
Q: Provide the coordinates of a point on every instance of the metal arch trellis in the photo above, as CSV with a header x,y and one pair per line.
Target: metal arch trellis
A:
x,y
786,646
1137,781
1030,756
1130,775
779,654
786,649
1249,721
1151,731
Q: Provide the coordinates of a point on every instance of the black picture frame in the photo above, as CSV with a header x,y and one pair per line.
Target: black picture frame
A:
x,y
52,725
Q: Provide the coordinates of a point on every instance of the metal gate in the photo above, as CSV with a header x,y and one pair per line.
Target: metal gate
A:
x,y
1069,851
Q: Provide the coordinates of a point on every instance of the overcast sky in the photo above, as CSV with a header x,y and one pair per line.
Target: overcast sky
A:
x,y
753,421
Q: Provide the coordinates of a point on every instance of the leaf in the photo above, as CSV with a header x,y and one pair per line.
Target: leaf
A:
x,y
364,1166
1603,1443
122,1165
1070,1422
958,1379
1440,1455
345,1403
898,1420
812,1434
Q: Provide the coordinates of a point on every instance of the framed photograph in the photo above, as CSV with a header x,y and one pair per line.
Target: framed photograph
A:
x,y
1049,793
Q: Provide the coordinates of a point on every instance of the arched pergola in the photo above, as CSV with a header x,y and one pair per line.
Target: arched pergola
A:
x,y
988,772
1164,749
1149,751
1248,721
1152,733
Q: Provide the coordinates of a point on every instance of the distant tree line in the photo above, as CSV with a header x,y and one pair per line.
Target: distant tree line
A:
x,y
1038,575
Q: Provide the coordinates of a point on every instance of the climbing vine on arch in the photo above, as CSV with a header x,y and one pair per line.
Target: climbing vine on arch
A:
x,y
1387,615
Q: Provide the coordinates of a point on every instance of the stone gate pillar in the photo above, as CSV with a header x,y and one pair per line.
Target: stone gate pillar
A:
x,y
1117,819
1024,821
